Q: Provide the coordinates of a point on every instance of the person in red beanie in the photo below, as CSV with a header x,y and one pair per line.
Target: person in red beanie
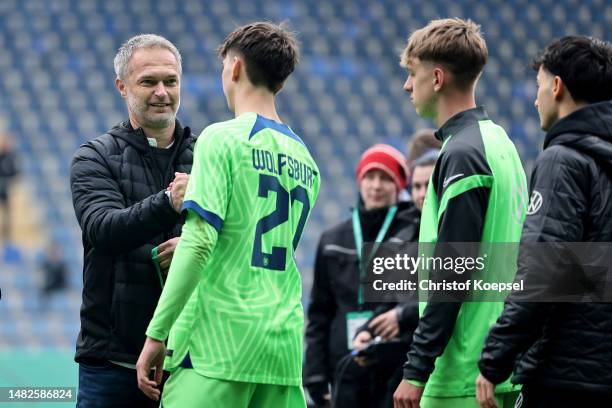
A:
x,y
337,309
382,173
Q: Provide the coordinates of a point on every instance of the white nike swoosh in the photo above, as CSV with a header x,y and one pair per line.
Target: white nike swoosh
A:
x,y
451,178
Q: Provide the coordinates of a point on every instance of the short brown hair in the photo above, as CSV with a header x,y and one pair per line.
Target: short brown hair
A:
x,y
420,142
270,52
455,43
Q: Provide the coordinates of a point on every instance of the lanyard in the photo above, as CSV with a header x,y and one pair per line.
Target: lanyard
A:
x,y
157,268
358,234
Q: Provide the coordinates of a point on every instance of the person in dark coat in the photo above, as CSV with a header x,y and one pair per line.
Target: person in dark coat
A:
x,y
127,190
395,322
562,352
382,173
54,270
8,172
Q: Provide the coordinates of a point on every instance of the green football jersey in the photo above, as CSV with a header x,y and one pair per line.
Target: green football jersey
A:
x,y
256,183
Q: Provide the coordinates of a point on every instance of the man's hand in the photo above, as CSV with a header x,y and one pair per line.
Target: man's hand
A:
x,y
385,325
485,393
165,252
151,356
407,395
177,189
362,340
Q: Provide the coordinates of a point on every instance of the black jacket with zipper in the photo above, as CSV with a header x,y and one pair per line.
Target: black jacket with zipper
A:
x,y
118,193
566,346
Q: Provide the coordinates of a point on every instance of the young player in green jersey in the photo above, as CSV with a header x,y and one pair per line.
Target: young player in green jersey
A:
x,y
231,305
477,193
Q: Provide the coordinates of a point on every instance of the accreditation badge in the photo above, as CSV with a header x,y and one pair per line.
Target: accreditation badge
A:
x,y
354,320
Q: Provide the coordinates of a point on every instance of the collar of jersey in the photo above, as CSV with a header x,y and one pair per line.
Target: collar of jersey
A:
x,y
460,121
262,123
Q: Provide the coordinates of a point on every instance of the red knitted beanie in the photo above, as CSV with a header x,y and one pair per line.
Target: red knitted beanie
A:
x,y
385,158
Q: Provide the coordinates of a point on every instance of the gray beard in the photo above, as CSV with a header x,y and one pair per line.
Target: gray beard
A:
x,y
159,123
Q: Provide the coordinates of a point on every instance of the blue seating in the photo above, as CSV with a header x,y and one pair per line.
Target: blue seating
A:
x,y
346,94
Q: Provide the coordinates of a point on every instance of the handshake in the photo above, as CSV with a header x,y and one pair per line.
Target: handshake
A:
x,y
176,194
176,190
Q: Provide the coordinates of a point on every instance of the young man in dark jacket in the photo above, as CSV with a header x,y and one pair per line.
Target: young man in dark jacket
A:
x,y
382,174
127,190
566,347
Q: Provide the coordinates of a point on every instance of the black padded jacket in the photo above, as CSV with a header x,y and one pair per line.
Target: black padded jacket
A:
x,y
118,193
562,345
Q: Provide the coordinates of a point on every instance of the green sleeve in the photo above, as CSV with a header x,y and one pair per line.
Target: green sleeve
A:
x,y
192,252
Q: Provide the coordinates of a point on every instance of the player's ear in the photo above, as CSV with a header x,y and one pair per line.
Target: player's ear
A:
x,y
558,88
237,65
438,78
120,85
